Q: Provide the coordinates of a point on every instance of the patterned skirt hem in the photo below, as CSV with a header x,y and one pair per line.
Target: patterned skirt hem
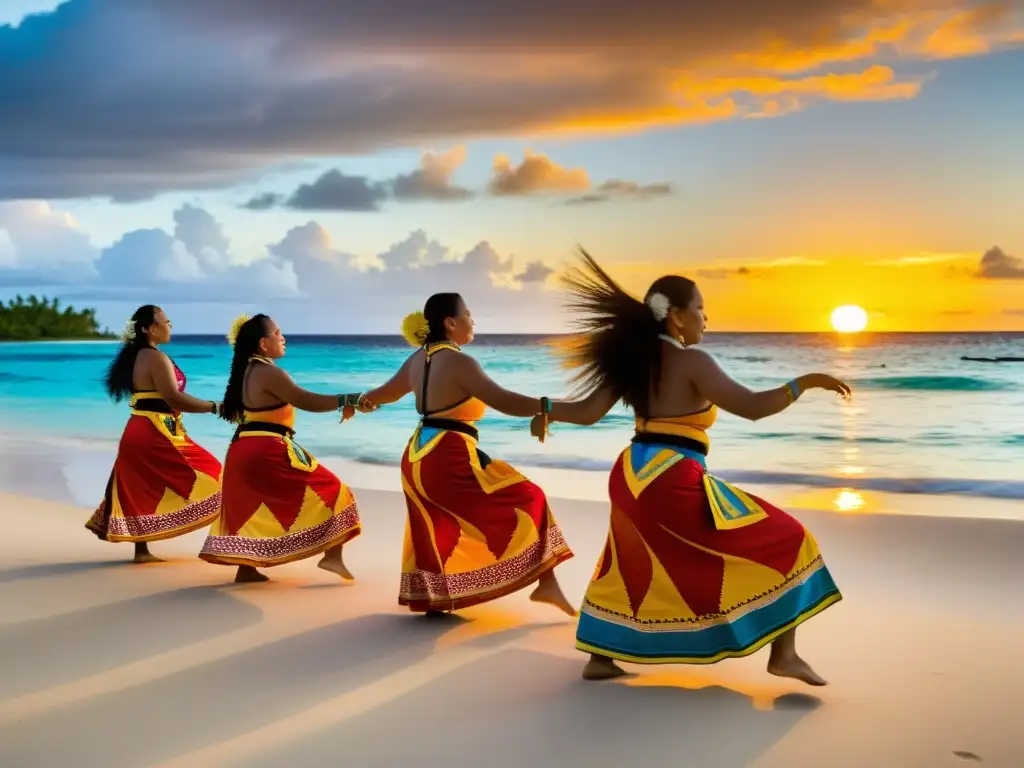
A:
x,y
235,550
751,648
419,604
146,528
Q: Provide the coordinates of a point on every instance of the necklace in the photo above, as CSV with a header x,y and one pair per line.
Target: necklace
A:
x,y
673,341
262,359
450,344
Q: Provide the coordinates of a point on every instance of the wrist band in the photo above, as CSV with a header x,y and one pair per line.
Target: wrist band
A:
x,y
792,390
545,409
351,400
213,407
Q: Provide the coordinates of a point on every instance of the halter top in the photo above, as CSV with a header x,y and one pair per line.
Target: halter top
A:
x,y
469,410
282,414
151,394
692,426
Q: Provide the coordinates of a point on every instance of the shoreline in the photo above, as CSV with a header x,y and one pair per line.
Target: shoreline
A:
x,y
28,461
62,340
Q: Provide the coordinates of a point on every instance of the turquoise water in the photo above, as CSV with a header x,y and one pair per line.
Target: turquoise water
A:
x,y
921,421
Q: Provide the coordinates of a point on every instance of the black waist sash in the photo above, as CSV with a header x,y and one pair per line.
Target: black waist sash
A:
x,y
454,425
677,441
263,426
153,405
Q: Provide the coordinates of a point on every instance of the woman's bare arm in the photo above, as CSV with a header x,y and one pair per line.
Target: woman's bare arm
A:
x,y
395,388
587,411
279,384
481,386
715,385
166,383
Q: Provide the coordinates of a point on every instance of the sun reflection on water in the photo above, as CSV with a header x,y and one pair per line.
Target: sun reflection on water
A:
x,y
848,500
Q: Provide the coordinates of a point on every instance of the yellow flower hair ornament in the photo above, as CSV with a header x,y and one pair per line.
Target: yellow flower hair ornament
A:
x,y
415,329
235,328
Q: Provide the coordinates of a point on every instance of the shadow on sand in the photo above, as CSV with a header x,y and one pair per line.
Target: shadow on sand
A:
x,y
204,705
59,649
49,570
521,707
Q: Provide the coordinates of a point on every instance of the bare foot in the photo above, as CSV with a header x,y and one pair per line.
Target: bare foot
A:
x,y
549,592
335,564
602,668
143,555
249,575
795,667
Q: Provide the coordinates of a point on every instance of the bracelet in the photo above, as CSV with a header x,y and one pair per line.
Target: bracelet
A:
x,y
350,400
792,390
545,405
213,407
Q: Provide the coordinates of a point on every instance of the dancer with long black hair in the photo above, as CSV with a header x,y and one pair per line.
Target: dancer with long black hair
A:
x,y
477,528
162,484
279,503
695,570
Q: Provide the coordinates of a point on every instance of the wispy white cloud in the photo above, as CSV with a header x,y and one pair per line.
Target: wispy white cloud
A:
x,y
917,259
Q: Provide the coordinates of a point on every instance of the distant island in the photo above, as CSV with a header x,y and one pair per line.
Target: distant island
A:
x,y
36,319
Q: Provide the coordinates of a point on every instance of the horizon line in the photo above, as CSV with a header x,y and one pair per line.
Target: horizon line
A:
x,y
859,334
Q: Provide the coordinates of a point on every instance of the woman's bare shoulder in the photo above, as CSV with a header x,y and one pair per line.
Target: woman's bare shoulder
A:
x,y
151,355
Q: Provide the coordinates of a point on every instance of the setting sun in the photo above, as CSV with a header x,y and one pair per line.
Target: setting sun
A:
x,y
849,319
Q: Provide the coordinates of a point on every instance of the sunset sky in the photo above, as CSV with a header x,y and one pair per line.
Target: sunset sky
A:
x,y
335,162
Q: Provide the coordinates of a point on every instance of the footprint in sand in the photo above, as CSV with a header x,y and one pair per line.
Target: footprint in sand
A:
x,y
966,755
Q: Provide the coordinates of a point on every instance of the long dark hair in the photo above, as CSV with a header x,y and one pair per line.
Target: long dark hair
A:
x,y
247,344
119,381
439,308
617,344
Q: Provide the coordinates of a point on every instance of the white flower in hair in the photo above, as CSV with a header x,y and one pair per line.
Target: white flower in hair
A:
x,y
659,305
128,334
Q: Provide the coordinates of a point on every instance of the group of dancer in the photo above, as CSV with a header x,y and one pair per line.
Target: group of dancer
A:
x,y
694,570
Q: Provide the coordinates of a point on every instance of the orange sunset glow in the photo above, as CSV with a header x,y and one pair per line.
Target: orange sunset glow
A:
x,y
919,292
792,158
554,366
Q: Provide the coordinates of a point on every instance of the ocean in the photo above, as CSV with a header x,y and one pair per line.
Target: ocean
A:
x,y
921,421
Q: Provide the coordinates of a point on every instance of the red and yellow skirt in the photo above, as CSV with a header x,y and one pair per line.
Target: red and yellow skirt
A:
x,y
162,484
476,529
695,570
279,505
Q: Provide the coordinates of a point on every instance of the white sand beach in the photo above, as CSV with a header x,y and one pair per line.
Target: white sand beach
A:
x,y
110,664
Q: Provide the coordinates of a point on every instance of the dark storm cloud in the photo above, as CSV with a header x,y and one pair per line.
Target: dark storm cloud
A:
x,y
127,98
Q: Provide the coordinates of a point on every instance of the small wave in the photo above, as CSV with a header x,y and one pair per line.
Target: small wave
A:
x,y
935,383
18,378
991,489
826,438
751,359
53,357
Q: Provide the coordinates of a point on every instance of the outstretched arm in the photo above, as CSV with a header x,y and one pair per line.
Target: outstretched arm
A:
x,y
715,385
587,411
395,388
481,386
280,385
167,385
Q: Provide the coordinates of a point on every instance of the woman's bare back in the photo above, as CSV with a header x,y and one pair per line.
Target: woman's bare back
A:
x,y
143,379
444,388
677,395
255,387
